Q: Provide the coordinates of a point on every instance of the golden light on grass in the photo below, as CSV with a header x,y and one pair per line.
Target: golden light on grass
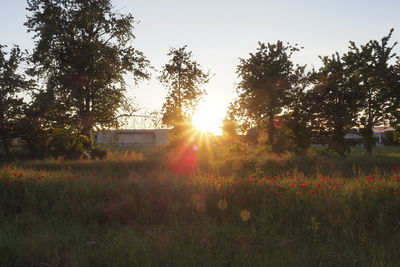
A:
x,y
201,206
222,204
245,215
195,198
198,202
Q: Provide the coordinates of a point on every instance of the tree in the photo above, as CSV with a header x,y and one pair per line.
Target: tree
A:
x,y
183,78
43,116
394,109
83,50
298,114
229,128
335,101
265,80
12,83
371,68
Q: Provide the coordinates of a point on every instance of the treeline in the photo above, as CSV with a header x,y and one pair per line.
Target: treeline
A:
x,y
292,107
73,82
75,78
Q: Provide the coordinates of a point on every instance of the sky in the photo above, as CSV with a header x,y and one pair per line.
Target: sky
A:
x,y
219,32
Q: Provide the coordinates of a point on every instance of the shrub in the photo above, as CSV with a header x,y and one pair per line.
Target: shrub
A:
x,y
98,153
66,143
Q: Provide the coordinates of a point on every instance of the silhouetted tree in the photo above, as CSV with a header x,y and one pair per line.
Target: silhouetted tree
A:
x,y
370,64
12,84
43,117
183,78
83,50
298,113
394,108
265,80
335,104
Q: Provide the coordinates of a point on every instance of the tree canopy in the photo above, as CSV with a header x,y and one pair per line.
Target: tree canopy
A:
x,y
12,83
82,52
183,78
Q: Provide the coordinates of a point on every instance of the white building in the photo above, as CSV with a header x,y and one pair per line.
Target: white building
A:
x,y
132,138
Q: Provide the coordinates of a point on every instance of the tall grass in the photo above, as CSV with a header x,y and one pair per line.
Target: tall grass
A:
x,y
281,210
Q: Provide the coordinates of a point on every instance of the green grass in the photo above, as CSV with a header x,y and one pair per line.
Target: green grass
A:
x,y
242,208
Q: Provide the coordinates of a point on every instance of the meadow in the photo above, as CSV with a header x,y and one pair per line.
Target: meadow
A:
x,y
240,207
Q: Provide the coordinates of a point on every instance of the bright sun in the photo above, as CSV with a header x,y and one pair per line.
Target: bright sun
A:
x,y
206,119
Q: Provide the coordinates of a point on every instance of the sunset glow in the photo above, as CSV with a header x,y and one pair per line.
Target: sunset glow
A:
x,y
208,119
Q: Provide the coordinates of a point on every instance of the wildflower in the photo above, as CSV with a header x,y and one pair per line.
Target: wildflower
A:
x,y
291,185
318,185
313,192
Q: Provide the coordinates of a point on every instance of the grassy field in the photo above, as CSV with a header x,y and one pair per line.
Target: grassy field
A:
x,y
241,207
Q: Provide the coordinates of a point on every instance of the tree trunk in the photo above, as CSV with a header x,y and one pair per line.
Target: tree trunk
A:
x,y
369,139
271,133
339,143
87,125
6,148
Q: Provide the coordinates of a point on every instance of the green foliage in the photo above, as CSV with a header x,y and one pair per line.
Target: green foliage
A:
x,y
183,77
83,51
335,109
267,78
375,80
98,153
389,138
12,84
66,143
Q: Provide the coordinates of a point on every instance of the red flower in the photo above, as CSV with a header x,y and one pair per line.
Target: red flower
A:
x,y
318,185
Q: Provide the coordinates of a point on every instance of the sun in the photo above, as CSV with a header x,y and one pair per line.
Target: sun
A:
x,y
206,119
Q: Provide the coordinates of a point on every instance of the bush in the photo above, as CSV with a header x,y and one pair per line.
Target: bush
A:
x,y
98,153
389,138
67,144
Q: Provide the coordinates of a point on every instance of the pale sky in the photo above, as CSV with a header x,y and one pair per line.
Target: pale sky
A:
x,y
220,31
